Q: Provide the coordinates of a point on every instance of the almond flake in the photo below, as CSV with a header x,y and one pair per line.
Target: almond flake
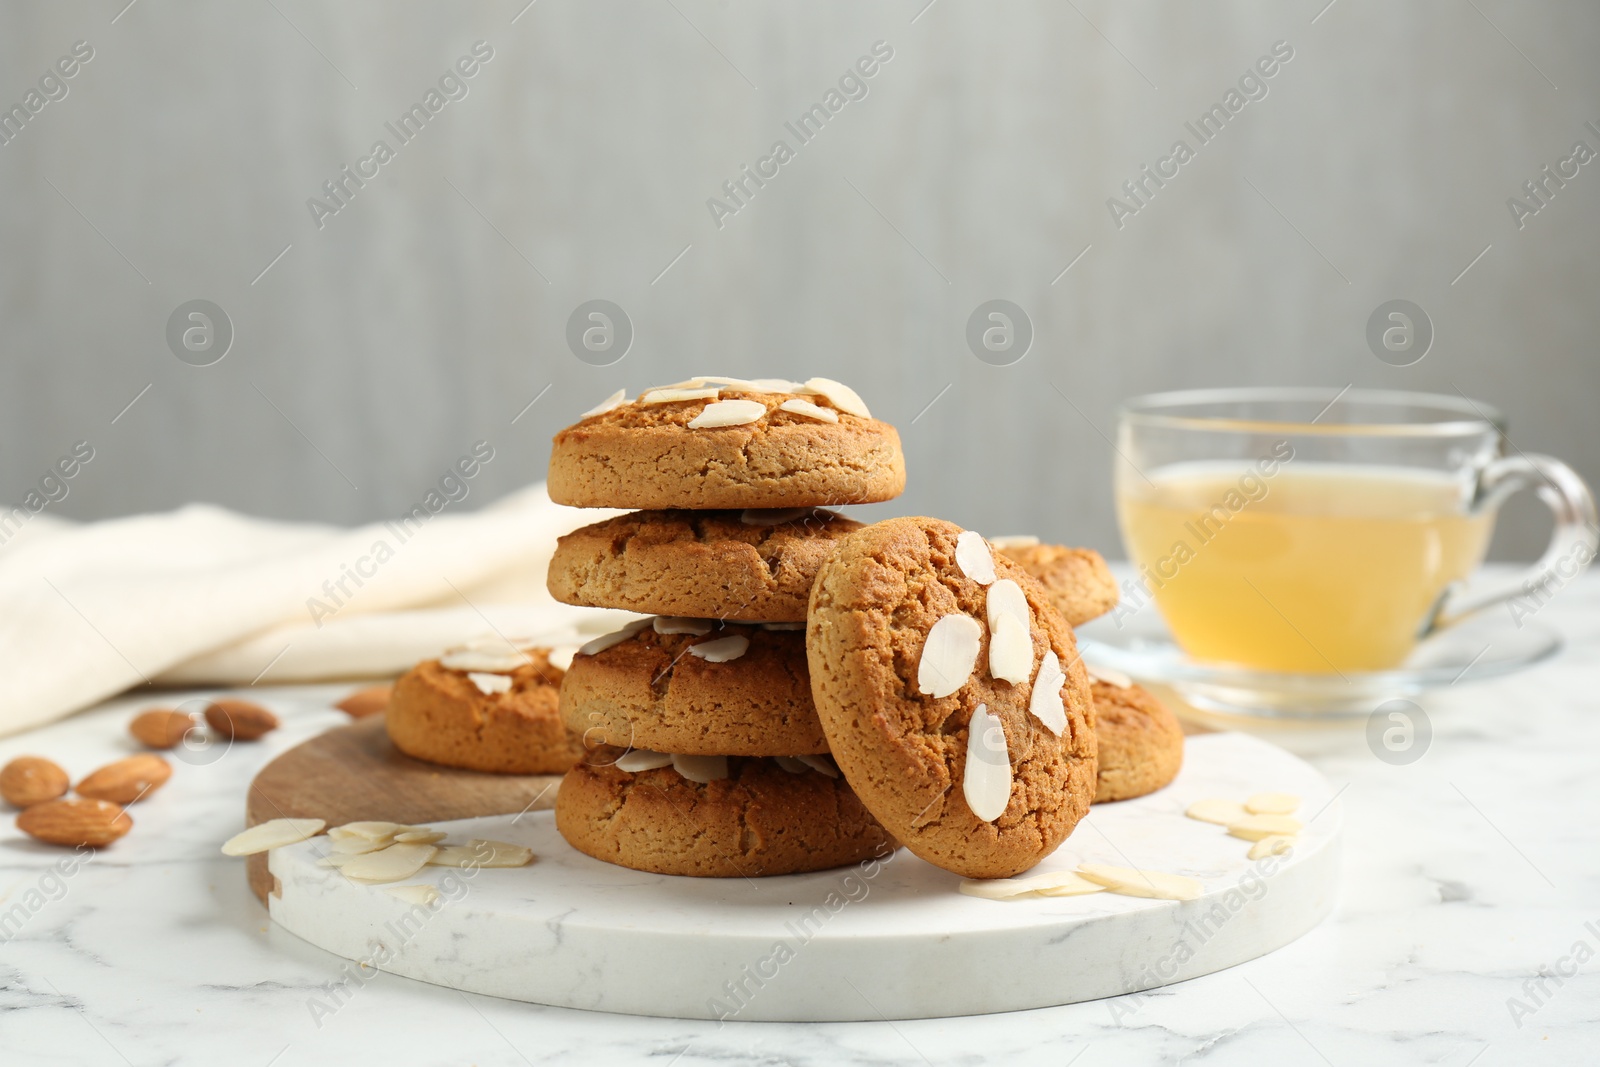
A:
x,y
1217,810
372,829
732,383
701,769
821,764
393,864
490,684
722,650
426,895
986,783
357,846
974,558
1005,597
775,385
790,764
481,853
1045,702
677,624
642,759
1136,882
419,837
783,627
1051,884
1010,651
616,637
1272,804
503,660
772,516
560,657
610,403
809,410
274,833
1015,541
673,396
948,655
1256,827
1275,845
839,395
1109,676
728,413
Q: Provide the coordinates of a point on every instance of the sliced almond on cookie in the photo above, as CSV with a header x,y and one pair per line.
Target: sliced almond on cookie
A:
x,y
610,403
490,684
1109,676
1010,651
673,396
1005,597
974,558
1045,702
728,413
986,783
948,655
702,769
839,395
615,637
722,650
642,759
809,410
823,765
677,624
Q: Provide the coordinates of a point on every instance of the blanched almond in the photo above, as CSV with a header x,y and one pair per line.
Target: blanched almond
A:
x,y
948,655
1272,804
1217,810
974,558
393,864
1274,845
274,833
1138,882
986,782
1256,827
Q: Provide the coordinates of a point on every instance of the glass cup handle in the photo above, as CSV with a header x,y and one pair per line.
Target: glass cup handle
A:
x,y
1572,543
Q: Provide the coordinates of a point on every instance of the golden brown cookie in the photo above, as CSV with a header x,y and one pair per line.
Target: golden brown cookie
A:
x,y
442,715
737,565
1141,742
655,691
963,767
1078,581
662,455
759,820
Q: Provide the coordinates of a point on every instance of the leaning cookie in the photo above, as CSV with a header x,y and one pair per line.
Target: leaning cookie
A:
x,y
695,686
737,818
741,565
952,696
1141,742
484,710
726,443
1078,581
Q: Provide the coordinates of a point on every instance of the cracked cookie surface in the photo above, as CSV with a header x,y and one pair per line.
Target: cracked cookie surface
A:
x,y
648,456
904,751
651,692
438,715
760,820
707,564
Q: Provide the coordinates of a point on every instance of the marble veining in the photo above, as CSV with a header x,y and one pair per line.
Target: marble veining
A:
x,y
1466,874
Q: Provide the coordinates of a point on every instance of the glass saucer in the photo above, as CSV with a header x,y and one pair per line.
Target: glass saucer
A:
x,y
1484,646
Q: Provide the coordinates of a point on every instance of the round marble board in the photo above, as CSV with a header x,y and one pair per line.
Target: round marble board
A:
x,y
887,939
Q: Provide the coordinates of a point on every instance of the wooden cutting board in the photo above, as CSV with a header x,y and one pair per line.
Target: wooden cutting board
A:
x,y
354,772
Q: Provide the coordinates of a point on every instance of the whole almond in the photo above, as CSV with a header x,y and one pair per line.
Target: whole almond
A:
x,y
239,719
127,780
30,780
372,700
160,727
75,822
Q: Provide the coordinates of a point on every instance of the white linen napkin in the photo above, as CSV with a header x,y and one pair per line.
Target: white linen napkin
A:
x,y
203,596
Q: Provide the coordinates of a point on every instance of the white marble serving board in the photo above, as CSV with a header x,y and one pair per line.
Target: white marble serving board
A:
x,y
887,940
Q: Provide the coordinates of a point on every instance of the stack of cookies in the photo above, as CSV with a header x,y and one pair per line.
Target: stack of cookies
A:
x,y
704,751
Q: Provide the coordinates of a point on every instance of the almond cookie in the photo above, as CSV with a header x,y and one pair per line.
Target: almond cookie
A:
x,y
706,445
1141,743
952,696
741,565
750,817
695,686
484,710
1078,581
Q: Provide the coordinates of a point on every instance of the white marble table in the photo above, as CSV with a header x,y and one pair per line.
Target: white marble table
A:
x,y
1466,874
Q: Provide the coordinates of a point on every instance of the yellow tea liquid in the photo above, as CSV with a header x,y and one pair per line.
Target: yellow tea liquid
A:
x,y
1315,569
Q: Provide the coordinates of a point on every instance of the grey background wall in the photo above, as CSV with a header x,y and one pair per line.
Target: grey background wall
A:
x,y
432,308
